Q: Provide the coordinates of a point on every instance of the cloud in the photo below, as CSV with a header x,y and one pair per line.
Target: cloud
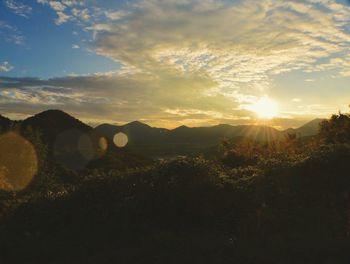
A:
x,y
62,18
10,34
57,6
81,14
191,61
115,15
75,46
18,8
120,97
242,55
5,67
67,10
296,100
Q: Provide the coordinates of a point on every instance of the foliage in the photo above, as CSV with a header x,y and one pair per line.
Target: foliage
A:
x,y
336,129
284,201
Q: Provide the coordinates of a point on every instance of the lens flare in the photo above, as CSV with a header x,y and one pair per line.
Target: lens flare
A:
x,y
102,145
120,140
70,151
75,149
86,147
18,162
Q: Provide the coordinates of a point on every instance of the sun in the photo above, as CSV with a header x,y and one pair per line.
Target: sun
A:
x,y
265,108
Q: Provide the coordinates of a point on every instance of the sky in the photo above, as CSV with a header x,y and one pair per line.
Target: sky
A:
x,y
176,62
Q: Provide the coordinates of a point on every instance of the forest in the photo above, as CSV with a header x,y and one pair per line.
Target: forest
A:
x,y
285,200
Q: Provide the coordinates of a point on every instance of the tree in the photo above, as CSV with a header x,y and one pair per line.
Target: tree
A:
x,y
335,130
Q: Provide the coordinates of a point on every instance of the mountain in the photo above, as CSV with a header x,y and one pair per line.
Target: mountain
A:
x,y
182,140
69,138
137,132
52,123
76,145
309,129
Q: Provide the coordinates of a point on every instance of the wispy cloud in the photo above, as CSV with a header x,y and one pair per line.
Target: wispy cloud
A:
x,y
115,15
18,7
216,37
10,34
68,10
119,97
194,59
5,67
61,18
296,100
81,14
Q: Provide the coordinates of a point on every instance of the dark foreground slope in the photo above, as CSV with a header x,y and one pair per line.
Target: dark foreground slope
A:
x,y
191,211
288,205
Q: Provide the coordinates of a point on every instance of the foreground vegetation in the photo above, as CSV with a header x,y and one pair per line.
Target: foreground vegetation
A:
x,y
283,202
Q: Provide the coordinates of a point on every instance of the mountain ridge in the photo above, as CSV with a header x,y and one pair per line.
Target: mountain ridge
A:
x,y
308,129
154,141
183,140
137,123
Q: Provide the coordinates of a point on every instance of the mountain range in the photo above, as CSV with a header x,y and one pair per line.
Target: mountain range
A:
x,y
184,140
58,127
147,140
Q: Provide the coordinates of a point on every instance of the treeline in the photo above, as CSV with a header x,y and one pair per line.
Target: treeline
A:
x,y
249,202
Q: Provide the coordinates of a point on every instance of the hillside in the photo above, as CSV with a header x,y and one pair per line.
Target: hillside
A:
x,y
183,140
61,131
289,204
309,129
4,122
76,145
52,123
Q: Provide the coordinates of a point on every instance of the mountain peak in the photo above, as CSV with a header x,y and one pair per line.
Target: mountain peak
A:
x,y
181,127
53,113
223,125
314,122
137,124
53,122
309,129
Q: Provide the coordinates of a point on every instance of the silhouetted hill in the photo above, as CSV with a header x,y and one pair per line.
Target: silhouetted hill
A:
x,y
52,123
211,135
4,122
76,145
183,140
139,134
62,131
309,129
